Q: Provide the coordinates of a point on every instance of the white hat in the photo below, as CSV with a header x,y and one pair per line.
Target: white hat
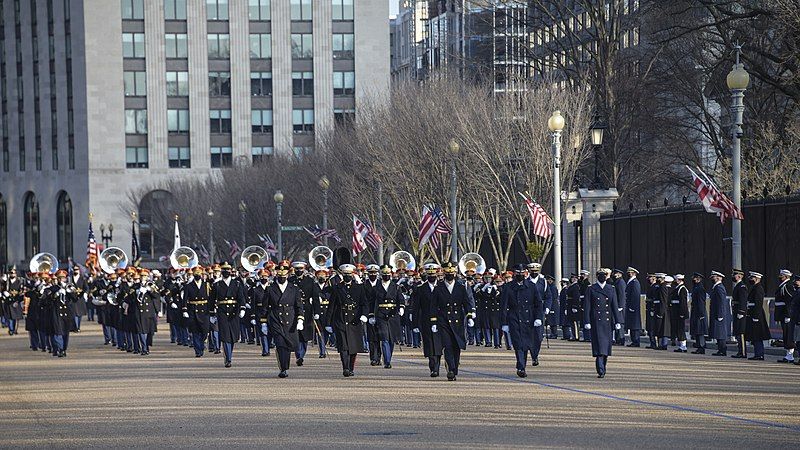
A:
x,y
535,266
584,272
679,276
631,269
299,264
668,279
491,272
373,268
565,280
660,275
756,274
715,273
347,268
785,273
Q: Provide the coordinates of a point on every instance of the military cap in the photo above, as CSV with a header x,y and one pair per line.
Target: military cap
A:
x,y
738,272
632,269
519,268
225,266
373,268
619,271
680,276
197,271
669,279
698,275
785,273
61,274
347,269
660,275
535,266
386,269
756,275
715,273
449,268
301,265
584,272
565,280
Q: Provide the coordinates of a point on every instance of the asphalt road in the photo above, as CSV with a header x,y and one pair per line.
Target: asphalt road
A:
x,y
99,397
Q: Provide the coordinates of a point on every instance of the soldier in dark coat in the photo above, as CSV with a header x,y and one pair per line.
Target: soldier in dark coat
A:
x,y
81,287
600,312
633,307
719,314
522,315
554,314
373,341
103,286
783,300
739,312
679,312
583,285
196,309
794,311
322,304
562,303
308,292
422,319
258,299
227,304
387,303
659,314
170,293
32,319
492,295
757,328
698,322
61,297
573,308
621,287
651,296
285,317
347,313
142,303
452,306
538,280
13,300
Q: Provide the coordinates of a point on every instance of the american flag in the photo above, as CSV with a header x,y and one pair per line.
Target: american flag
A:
x,y
541,223
202,251
319,234
433,224
371,237
233,250
714,201
359,230
269,246
91,249
136,255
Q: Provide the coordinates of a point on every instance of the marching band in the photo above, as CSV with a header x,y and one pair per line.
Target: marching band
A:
x,y
371,309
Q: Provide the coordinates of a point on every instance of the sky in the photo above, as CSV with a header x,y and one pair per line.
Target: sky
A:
x,y
393,5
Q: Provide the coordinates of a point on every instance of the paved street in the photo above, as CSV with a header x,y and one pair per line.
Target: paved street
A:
x,y
98,397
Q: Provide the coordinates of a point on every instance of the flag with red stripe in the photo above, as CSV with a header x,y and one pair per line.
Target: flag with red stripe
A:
x,y
541,223
91,249
713,200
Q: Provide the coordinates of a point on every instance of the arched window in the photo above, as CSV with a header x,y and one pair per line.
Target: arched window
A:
x,y
31,225
155,224
64,226
3,232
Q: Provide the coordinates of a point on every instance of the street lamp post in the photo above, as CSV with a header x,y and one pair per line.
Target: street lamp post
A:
x,y
325,184
278,197
556,123
453,148
211,249
738,79
597,131
242,219
107,238
379,225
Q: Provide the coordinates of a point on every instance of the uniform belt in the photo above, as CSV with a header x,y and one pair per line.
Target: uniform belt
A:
x,y
750,305
780,303
675,302
198,302
326,302
387,305
227,302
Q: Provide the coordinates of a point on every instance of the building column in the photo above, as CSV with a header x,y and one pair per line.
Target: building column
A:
x,y
156,67
241,136
595,203
282,78
323,69
199,127
371,37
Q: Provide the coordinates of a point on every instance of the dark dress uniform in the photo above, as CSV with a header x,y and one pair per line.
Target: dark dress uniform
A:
x,y
739,308
348,304
521,308
720,317
633,310
32,319
227,303
449,312
283,310
757,327
422,319
142,307
600,310
62,319
492,294
373,340
652,295
621,288
258,299
678,312
79,307
322,322
698,322
196,305
783,300
661,320
308,292
13,304
554,315
573,310
387,303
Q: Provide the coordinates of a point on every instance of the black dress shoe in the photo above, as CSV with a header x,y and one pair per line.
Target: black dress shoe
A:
x,y
227,364
739,356
719,354
387,366
535,362
699,351
451,376
434,374
283,374
634,345
521,374
374,363
264,354
756,358
601,375
299,361
216,352
784,360
345,373
679,350
323,356
352,374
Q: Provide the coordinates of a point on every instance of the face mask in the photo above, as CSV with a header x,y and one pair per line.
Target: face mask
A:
x,y
751,281
281,280
347,278
519,277
373,277
321,280
225,274
432,279
450,277
386,277
263,280
601,277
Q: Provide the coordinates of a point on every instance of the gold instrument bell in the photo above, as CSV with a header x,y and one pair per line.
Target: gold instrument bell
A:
x,y
254,258
183,258
471,262
113,258
320,258
402,260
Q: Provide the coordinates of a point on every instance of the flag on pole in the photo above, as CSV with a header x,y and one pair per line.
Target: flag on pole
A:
x,y
319,234
136,256
714,201
177,241
269,246
202,252
541,223
433,224
368,233
358,236
91,249
233,250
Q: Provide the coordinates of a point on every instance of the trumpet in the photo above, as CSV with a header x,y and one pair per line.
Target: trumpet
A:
x,y
402,260
320,258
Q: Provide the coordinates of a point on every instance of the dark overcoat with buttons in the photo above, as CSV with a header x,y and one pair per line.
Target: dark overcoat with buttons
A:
x,y
633,306
573,305
283,309
739,307
554,316
621,287
12,306
698,322
63,320
661,324
757,328
195,302
450,311
678,311
719,309
422,318
141,310
600,309
347,304
226,301
520,307
386,305
309,293
493,307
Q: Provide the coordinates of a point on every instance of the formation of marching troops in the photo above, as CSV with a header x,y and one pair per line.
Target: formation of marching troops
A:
x,y
371,309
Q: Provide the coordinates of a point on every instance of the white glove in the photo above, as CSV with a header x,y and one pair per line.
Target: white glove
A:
x,y
415,330
300,325
617,326
474,315
755,320
316,316
6,294
574,311
213,319
620,309
434,329
142,290
719,319
504,328
241,314
470,323
329,329
263,328
653,314
247,305
160,314
253,322
740,316
363,319
546,311
371,321
62,292
401,312
588,326
787,320
173,305
186,315
537,323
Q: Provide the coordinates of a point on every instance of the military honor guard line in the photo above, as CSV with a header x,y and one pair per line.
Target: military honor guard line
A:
x,y
371,309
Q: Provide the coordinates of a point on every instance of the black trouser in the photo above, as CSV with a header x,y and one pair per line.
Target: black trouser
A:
x,y
348,360
434,362
788,335
375,351
284,355
600,364
452,356
741,345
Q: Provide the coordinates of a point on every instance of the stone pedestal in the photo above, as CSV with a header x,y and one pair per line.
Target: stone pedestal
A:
x,y
581,228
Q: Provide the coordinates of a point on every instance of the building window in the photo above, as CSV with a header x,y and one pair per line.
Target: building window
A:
x,y
261,120
219,84
302,46
301,9
133,45
217,9
259,10
136,157
175,9
132,9
219,45
260,154
179,157
64,227
344,83
260,84
343,46
176,46
220,121
342,9
135,84
31,225
303,120
3,232
177,84
302,83
344,116
135,121
261,46
299,152
221,157
178,120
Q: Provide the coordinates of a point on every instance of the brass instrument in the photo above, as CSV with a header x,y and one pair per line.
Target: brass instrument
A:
x,y
402,260
254,258
113,258
472,261
183,258
320,258
44,262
